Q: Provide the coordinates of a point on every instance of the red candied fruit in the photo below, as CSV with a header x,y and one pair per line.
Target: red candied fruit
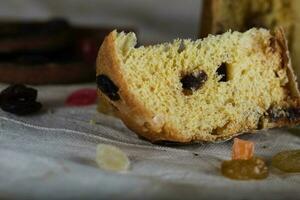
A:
x,y
82,97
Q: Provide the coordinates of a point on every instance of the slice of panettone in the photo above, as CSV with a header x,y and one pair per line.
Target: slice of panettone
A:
x,y
204,90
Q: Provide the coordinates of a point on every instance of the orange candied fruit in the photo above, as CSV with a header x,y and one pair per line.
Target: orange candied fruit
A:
x,y
242,149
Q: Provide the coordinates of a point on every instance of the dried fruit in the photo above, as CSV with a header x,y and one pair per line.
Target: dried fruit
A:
x,y
254,168
242,149
222,71
18,92
19,99
111,158
193,81
82,97
21,107
108,87
291,114
287,161
243,165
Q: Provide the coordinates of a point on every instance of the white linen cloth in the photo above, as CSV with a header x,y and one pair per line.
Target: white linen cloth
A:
x,y
51,155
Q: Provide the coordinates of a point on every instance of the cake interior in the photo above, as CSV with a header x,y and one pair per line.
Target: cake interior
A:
x,y
219,85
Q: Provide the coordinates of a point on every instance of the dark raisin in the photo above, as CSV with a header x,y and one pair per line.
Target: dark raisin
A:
x,y
222,71
19,99
193,81
108,87
18,92
274,115
291,114
21,107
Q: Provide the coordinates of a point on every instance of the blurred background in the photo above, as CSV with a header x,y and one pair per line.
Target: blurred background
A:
x,y
56,41
62,47
156,21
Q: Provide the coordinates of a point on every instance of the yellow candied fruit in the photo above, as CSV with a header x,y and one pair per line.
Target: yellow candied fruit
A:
x,y
111,158
254,168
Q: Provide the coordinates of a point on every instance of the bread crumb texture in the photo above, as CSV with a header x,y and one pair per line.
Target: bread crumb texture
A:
x,y
252,80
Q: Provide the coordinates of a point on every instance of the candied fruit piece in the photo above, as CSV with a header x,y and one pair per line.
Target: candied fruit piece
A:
x,y
82,97
242,149
287,161
111,158
254,168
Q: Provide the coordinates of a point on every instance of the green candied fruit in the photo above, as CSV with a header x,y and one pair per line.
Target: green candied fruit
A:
x,y
287,161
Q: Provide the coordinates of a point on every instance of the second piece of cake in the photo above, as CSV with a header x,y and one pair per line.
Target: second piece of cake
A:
x,y
219,16
204,90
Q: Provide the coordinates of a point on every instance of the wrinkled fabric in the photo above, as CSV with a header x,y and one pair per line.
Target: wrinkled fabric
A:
x,y
52,155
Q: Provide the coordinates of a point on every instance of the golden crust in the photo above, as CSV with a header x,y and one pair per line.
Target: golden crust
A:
x,y
283,48
292,85
128,108
142,122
